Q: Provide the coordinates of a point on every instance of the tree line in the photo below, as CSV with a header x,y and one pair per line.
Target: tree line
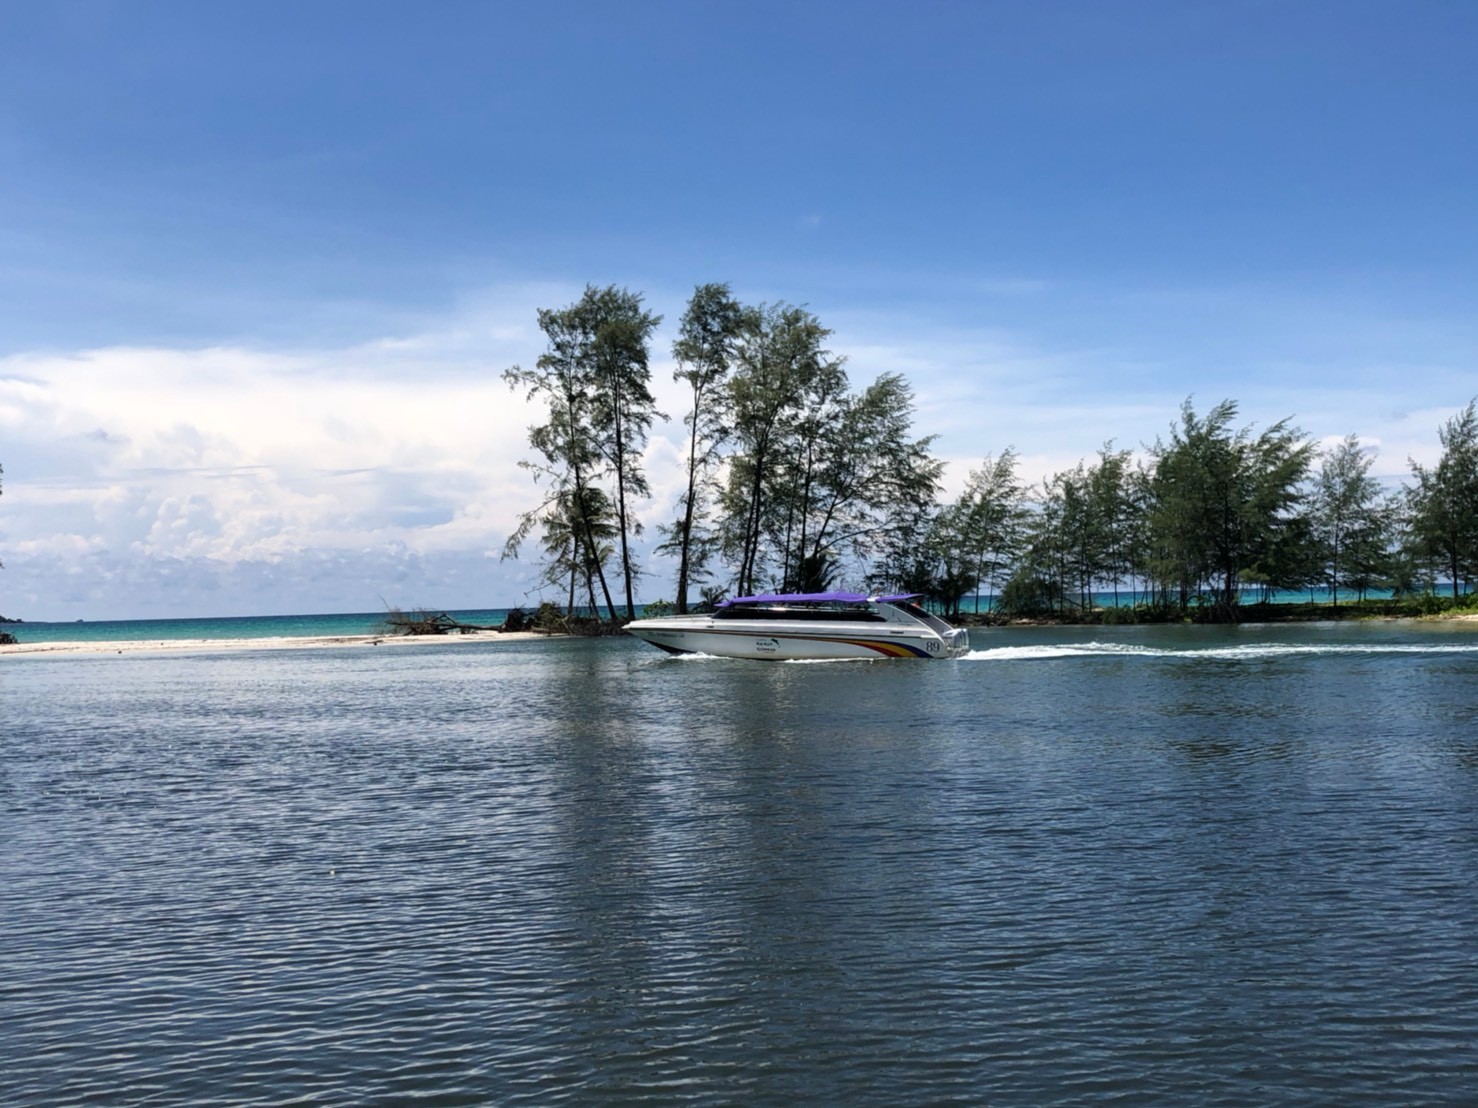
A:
x,y
1208,514
795,481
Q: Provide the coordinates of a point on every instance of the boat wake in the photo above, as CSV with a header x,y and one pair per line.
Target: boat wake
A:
x,y
1243,653
1246,652
698,656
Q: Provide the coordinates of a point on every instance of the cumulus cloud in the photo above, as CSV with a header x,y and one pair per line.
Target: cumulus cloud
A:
x,y
207,459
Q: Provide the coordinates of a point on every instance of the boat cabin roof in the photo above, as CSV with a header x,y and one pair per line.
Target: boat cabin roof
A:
x,y
818,598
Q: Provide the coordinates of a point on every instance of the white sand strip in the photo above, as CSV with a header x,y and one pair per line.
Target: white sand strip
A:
x,y
179,646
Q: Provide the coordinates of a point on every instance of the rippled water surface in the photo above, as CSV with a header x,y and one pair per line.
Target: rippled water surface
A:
x,y
1232,866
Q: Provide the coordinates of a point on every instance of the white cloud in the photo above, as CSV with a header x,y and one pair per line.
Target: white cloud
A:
x,y
224,456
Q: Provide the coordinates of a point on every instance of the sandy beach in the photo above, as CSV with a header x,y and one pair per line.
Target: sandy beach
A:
x,y
180,646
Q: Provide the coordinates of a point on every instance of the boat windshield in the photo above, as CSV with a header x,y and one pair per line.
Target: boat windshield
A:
x,y
809,611
928,619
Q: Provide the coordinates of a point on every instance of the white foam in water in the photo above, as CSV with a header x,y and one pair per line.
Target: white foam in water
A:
x,y
1246,652
697,656
1030,653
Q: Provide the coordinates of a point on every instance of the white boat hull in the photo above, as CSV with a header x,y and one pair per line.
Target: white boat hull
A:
x,y
781,641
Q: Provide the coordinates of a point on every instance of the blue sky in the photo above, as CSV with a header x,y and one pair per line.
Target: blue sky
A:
x,y
261,264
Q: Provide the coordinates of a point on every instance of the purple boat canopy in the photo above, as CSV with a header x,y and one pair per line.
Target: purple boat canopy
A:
x,y
817,598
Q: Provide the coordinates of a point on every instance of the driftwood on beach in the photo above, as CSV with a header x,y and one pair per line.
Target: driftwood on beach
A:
x,y
549,619
424,621
421,621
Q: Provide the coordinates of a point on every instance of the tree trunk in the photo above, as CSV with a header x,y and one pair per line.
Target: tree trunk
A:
x,y
592,555
752,531
685,535
589,592
621,502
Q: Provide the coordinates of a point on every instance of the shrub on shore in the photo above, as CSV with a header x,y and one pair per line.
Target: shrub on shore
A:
x,y
551,619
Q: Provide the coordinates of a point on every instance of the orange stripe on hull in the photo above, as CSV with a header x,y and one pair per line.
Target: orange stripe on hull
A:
x,y
886,649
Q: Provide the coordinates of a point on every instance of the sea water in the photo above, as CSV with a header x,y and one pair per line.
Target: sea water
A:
x,y
1163,865
225,627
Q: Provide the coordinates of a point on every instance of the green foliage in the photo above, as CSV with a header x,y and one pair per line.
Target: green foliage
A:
x,y
948,552
1030,596
656,609
704,350
594,377
579,529
1222,504
1426,604
820,475
1350,521
1444,503
623,405
783,387
1129,613
989,526
815,572
549,617
1080,536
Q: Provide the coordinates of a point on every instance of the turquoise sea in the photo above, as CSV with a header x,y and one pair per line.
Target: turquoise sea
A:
x,y
225,627
1151,865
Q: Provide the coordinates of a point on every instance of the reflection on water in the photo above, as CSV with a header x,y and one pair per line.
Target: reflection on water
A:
x,y
1166,864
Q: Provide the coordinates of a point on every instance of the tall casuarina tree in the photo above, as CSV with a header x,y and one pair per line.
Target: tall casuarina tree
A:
x,y
570,533
1347,513
622,405
993,516
569,457
704,351
1225,503
855,471
1444,504
778,360
595,379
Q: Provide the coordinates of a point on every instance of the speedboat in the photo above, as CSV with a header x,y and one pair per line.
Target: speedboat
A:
x,y
808,626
